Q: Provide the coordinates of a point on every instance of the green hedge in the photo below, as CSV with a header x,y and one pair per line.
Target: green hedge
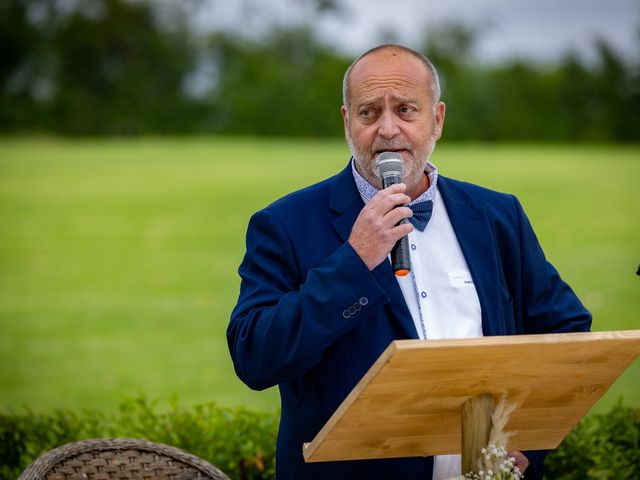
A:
x,y
242,442
601,447
237,440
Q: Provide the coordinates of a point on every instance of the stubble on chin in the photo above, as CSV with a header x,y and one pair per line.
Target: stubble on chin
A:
x,y
367,170
366,166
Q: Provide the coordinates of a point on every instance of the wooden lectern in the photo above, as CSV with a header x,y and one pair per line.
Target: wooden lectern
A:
x,y
409,403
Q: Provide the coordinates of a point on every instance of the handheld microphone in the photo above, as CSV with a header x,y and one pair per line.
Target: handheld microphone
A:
x,y
390,167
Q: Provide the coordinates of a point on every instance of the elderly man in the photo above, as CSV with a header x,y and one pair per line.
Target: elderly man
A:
x,y
319,301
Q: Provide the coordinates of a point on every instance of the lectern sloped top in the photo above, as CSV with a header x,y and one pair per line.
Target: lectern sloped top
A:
x,y
408,403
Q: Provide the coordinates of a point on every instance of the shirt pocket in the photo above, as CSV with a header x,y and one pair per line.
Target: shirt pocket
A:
x,y
460,279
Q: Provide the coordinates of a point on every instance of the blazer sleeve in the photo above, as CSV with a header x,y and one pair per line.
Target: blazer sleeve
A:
x,y
286,319
549,305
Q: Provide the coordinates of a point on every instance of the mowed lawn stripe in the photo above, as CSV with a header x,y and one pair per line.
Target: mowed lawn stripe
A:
x,y
118,258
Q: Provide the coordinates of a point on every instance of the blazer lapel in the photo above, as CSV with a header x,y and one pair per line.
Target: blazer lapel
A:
x,y
477,242
346,203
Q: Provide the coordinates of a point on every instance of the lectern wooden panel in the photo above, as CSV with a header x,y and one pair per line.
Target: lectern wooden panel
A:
x,y
408,403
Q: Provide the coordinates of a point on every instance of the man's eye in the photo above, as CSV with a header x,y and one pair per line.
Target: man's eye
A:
x,y
368,115
407,109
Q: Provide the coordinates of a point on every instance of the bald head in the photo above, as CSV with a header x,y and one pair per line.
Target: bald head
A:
x,y
432,84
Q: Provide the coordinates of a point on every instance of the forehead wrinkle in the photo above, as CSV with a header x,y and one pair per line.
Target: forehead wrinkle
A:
x,y
370,95
374,82
396,80
380,98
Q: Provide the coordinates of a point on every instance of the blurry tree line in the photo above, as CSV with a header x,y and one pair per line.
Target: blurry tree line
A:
x,y
135,67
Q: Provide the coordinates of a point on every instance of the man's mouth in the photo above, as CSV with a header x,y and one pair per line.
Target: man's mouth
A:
x,y
395,150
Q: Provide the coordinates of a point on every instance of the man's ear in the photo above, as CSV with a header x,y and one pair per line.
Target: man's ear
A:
x,y
440,109
345,117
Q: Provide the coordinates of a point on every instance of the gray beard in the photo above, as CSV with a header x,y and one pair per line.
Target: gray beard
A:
x,y
369,176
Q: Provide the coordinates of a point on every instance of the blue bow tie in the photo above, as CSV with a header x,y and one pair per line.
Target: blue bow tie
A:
x,y
421,214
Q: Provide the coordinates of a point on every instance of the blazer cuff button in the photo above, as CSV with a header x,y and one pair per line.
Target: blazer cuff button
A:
x,y
346,313
363,301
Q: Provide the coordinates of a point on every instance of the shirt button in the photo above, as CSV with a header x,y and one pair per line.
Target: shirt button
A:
x,y
346,314
413,246
363,301
423,294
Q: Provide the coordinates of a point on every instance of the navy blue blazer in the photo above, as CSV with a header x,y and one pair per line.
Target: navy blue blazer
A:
x,y
299,275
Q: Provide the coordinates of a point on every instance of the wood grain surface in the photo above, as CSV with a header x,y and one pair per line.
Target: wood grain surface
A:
x,y
408,403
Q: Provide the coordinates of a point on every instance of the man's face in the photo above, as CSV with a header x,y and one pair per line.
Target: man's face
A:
x,y
391,108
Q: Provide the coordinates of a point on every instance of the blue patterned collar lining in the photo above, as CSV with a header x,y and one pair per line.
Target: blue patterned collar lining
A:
x,y
368,191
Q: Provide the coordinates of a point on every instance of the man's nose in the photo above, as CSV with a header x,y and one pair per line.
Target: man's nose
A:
x,y
388,127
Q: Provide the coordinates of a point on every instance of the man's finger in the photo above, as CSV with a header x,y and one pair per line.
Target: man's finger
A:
x,y
396,215
385,202
522,462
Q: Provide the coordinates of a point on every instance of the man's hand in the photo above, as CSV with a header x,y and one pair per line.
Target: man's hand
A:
x,y
522,462
376,229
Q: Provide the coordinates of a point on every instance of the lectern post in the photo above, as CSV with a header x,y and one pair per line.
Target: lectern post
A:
x,y
476,428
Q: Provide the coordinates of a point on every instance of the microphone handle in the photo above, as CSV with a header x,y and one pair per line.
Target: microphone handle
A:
x,y
400,257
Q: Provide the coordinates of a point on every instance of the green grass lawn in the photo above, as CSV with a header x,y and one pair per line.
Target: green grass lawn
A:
x,y
118,258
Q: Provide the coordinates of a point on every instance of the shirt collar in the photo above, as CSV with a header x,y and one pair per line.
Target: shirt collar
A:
x,y
368,191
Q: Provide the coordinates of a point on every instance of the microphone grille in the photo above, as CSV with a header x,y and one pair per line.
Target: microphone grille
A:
x,y
389,163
